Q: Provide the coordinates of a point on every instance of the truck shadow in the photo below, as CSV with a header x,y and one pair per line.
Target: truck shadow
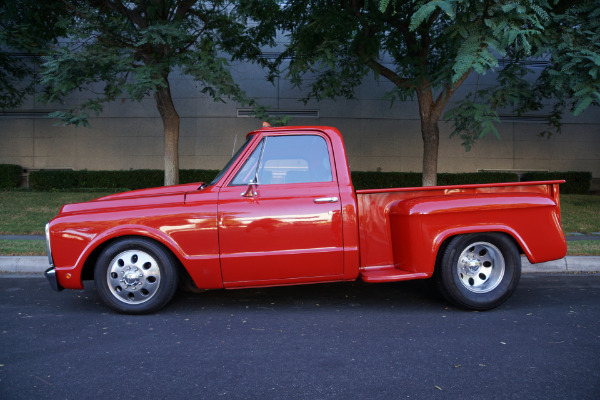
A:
x,y
418,296
411,294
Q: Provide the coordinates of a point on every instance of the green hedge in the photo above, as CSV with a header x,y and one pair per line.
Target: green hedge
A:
x,y
476,177
384,180
10,176
578,182
134,179
197,175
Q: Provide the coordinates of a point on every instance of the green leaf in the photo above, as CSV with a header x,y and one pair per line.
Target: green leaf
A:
x,y
447,7
585,102
422,13
383,5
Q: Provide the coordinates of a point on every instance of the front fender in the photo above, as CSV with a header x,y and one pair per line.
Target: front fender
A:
x,y
74,251
420,226
74,248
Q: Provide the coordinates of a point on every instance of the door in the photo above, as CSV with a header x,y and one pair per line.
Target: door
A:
x,y
280,215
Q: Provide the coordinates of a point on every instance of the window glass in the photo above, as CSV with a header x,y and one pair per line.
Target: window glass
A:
x,y
247,174
287,159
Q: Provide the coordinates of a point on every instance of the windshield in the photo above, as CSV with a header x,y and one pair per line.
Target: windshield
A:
x,y
235,157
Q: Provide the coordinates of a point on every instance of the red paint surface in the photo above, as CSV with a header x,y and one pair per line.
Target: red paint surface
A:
x,y
278,235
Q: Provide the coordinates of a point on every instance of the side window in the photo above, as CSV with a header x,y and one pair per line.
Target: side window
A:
x,y
287,159
247,174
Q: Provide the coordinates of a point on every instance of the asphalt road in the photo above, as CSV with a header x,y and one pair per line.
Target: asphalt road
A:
x,y
330,341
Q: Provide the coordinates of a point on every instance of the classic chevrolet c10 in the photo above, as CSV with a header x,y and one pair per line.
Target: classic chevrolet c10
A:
x,y
284,211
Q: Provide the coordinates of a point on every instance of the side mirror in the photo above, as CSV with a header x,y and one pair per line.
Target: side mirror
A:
x,y
251,191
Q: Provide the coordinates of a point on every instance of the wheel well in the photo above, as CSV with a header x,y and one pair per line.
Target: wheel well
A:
x,y
87,273
444,244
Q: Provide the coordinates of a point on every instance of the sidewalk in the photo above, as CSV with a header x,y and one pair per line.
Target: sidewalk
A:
x,y
35,266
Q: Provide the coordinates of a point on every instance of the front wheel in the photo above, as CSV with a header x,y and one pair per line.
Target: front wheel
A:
x,y
135,276
479,271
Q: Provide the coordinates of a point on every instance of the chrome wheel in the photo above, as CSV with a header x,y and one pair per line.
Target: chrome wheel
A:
x,y
133,276
480,267
478,271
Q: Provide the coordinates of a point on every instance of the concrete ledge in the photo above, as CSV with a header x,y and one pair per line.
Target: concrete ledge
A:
x,y
550,266
23,265
569,264
583,264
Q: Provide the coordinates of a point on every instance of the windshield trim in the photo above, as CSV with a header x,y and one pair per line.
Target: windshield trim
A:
x,y
231,161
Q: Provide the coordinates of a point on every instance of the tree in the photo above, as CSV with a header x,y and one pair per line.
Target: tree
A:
x,y
570,48
131,47
428,49
27,29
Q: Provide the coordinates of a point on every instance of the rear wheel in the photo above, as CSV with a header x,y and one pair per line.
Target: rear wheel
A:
x,y
479,271
135,276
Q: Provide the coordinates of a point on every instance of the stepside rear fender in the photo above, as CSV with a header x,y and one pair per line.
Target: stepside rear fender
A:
x,y
419,226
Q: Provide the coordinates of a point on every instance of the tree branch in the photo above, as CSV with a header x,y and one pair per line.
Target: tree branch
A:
x,y
183,9
446,94
117,6
388,73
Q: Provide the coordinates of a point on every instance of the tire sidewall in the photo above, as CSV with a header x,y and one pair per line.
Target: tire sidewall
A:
x,y
165,262
457,293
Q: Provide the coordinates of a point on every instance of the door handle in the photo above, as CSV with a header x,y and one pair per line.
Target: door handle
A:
x,y
326,200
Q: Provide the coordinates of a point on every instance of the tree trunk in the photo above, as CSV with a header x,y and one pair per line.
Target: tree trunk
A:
x,y
170,119
430,132
431,141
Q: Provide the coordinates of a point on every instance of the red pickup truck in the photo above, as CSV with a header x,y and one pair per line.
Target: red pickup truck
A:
x,y
283,211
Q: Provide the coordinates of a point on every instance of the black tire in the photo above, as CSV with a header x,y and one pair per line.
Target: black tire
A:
x,y
479,271
136,276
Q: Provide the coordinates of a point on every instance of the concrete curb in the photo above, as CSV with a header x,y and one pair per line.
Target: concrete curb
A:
x,y
17,265
23,264
569,264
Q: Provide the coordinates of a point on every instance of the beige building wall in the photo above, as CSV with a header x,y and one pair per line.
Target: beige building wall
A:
x,y
128,135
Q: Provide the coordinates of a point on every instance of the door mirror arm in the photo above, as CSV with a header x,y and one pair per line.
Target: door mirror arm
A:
x,y
250,191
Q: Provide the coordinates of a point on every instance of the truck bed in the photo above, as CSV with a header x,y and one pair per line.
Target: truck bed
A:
x,y
399,229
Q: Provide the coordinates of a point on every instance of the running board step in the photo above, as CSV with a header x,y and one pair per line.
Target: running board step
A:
x,y
387,273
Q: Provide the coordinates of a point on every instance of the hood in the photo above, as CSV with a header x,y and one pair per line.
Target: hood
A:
x,y
152,197
157,191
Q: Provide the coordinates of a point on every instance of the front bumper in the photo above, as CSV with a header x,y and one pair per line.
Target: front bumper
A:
x,y
51,272
51,276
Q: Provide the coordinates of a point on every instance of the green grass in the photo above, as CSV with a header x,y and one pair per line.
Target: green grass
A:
x,y
583,248
26,212
23,247
580,213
